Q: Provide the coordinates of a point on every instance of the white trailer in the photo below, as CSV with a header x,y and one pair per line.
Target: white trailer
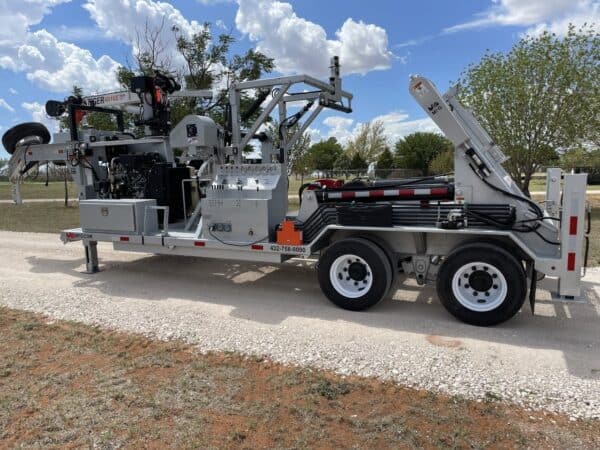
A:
x,y
477,235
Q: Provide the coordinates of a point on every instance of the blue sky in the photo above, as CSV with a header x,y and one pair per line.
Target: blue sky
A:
x,y
48,45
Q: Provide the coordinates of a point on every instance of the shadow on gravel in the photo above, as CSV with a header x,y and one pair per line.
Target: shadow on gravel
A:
x,y
270,294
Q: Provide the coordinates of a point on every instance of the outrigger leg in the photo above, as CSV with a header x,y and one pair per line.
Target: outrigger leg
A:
x,y
91,256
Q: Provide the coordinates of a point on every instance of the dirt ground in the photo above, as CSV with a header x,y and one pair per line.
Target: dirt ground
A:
x,y
69,385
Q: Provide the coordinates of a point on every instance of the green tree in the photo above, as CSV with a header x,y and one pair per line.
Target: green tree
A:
x,y
343,164
418,150
580,158
385,163
297,161
322,155
96,120
369,143
151,54
358,163
541,96
209,63
442,163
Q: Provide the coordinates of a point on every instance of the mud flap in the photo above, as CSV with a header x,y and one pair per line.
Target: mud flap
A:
x,y
532,289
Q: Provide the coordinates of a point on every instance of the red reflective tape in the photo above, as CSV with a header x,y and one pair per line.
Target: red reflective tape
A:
x,y
124,238
378,193
348,194
71,235
199,244
571,261
439,191
257,247
573,225
406,193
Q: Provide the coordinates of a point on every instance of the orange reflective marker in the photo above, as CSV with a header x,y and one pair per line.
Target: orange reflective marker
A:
x,y
288,235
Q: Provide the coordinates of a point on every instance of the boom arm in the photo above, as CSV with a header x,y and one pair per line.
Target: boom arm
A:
x,y
476,156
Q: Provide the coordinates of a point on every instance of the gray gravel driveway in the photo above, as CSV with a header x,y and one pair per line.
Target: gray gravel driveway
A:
x,y
549,360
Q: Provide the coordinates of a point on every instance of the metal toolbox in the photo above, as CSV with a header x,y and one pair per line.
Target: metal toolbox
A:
x,y
126,216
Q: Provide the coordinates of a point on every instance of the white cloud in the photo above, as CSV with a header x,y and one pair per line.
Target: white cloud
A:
x,y
4,104
397,126
79,34
125,19
48,62
13,91
16,21
298,45
395,123
539,15
38,114
338,125
57,66
17,16
315,134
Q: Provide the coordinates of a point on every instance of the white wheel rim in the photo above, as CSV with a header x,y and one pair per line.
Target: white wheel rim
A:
x,y
479,286
351,276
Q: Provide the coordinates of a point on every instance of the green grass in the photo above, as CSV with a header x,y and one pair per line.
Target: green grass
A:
x,y
39,217
38,189
47,217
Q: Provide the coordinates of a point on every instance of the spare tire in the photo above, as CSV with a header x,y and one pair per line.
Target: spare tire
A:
x,y
16,134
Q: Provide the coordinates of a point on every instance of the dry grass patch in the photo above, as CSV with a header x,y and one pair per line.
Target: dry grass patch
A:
x,y
69,385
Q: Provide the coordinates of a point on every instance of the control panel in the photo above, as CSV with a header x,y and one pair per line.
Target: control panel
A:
x,y
254,177
245,202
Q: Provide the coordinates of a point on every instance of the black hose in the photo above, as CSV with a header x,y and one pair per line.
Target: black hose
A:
x,y
535,206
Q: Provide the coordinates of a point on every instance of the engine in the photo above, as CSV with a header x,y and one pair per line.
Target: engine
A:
x,y
148,176
129,174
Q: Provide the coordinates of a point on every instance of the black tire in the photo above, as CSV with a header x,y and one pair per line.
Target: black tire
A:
x,y
502,264
14,135
378,269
